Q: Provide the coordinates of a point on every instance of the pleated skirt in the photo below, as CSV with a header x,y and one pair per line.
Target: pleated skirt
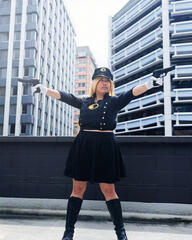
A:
x,y
95,157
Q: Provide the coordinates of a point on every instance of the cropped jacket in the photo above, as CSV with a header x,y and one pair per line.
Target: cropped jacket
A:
x,y
100,116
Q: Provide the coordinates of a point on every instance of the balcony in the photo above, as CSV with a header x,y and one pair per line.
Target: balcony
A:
x,y
154,121
133,14
183,119
132,50
141,26
182,8
183,73
183,95
183,50
181,29
149,60
149,101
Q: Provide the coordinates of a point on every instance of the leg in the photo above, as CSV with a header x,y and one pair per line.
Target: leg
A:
x,y
73,208
114,207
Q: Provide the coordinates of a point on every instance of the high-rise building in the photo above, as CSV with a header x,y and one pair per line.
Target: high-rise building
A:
x,y
146,35
37,40
85,66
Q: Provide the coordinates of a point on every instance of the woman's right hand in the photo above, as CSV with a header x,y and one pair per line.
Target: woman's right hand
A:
x,y
40,87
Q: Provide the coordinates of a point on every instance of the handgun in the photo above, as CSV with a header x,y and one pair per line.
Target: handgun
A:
x,y
31,81
159,73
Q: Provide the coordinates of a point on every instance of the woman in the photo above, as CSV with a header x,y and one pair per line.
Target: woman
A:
x,y
95,154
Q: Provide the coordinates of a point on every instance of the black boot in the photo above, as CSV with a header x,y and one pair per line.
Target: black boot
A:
x,y
73,208
114,207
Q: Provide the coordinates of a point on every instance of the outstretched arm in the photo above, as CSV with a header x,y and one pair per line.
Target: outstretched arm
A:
x,y
151,83
53,93
140,89
68,98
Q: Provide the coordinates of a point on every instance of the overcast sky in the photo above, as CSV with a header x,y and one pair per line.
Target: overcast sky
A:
x,y
90,20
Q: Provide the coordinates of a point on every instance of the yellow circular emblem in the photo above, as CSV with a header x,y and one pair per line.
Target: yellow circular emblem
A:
x,y
93,106
103,69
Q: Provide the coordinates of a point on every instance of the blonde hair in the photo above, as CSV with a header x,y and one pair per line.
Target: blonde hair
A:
x,y
94,85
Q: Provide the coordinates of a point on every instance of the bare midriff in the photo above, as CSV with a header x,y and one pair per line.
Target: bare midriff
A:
x,y
95,130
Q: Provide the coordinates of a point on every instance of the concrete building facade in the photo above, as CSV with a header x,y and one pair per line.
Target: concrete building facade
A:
x,y
85,66
37,40
146,35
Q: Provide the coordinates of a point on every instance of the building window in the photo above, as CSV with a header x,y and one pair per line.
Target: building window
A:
x,y
31,35
24,109
15,72
31,18
23,128
1,109
4,36
2,91
82,61
81,85
18,19
3,72
26,71
81,69
15,53
3,55
29,71
29,53
25,90
13,109
17,36
4,19
19,3
81,77
81,92
12,128
14,90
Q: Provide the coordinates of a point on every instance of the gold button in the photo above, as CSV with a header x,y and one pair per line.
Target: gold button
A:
x,y
103,117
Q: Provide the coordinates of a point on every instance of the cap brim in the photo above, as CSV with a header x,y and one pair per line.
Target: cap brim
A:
x,y
103,76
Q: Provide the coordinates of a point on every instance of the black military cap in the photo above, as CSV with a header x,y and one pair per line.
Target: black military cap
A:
x,y
104,72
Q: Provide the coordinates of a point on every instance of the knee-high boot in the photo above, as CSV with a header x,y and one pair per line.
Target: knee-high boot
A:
x,y
73,209
114,207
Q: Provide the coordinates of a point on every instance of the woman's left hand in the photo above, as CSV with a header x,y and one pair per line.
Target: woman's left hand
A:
x,y
154,82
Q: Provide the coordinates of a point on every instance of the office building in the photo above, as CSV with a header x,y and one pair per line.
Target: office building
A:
x,y
37,40
85,66
146,35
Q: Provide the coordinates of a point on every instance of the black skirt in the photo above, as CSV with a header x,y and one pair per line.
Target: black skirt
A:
x,y
95,157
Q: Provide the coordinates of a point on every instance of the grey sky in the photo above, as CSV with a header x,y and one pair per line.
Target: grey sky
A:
x,y
90,19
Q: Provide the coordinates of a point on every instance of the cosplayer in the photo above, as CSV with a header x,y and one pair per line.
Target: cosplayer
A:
x,y
95,154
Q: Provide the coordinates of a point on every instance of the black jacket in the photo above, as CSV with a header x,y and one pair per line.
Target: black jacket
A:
x,y
102,116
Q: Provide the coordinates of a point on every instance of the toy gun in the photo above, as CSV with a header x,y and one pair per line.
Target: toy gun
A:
x,y
159,73
31,81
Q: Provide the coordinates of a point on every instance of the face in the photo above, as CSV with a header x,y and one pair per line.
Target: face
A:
x,y
103,86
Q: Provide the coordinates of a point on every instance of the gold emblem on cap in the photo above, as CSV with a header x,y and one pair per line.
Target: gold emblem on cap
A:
x,y
103,69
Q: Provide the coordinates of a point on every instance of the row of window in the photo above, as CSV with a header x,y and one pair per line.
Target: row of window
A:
x,y
29,53
13,90
31,18
81,69
13,109
81,77
28,71
30,35
77,85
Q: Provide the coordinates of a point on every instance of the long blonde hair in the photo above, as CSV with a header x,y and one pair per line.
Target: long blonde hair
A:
x,y
94,85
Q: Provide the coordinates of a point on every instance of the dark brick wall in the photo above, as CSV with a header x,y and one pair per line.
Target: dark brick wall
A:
x,y
159,169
